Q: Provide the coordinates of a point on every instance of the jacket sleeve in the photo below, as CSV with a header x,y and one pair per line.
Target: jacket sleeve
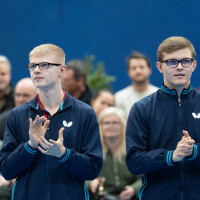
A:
x,y
15,157
137,184
139,158
87,163
195,158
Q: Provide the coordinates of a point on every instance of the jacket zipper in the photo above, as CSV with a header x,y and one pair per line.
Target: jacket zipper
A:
x,y
179,105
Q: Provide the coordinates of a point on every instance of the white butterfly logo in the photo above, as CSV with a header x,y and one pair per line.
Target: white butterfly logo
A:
x,y
65,124
196,116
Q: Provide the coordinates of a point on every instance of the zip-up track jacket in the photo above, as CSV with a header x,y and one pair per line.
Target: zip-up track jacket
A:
x,y
44,177
154,129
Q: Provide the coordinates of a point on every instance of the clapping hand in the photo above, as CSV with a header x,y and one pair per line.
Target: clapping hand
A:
x,y
51,147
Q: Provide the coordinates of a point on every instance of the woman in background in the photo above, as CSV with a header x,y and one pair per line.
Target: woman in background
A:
x,y
114,181
102,99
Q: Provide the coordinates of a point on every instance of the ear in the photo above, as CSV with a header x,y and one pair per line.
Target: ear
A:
x,y
62,70
194,64
81,81
159,67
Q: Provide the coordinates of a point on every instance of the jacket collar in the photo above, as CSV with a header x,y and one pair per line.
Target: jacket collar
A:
x,y
67,103
173,92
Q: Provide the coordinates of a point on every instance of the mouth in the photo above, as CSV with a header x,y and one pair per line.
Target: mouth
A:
x,y
179,75
38,78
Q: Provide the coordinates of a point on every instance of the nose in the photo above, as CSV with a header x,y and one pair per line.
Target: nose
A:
x,y
37,69
179,66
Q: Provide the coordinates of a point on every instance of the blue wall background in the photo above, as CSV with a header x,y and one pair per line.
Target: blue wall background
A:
x,y
108,29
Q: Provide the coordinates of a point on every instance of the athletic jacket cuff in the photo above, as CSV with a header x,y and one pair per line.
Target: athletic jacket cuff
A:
x,y
169,158
65,156
194,155
29,148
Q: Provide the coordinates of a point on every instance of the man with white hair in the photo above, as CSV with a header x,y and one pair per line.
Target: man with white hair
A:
x,y
6,90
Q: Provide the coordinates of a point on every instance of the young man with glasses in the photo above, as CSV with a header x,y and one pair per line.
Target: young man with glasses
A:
x,y
162,134
52,143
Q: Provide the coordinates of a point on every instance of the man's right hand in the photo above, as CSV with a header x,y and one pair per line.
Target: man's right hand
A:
x,y
36,130
184,148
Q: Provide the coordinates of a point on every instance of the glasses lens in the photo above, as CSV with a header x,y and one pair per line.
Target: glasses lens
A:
x,y
31,67
44,66
186,62
172,63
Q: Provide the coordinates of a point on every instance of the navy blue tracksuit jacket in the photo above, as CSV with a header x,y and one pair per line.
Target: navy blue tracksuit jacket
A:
x,y
43,177
154,129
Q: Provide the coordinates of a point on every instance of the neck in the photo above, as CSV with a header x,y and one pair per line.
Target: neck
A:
x,y
178,89
113,144
3,92
78,92
141,87
49,100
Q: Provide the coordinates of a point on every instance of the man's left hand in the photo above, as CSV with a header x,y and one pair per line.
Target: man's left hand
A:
x,y
51,147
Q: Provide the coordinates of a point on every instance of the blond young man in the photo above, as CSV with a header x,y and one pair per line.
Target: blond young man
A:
x,y
52,143
162,135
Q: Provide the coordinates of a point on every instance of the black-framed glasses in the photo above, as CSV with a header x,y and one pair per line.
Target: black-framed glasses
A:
x,y
186,62
42,66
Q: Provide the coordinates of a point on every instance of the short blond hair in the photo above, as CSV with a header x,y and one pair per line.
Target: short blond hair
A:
x,y
173,44
46,49
121,151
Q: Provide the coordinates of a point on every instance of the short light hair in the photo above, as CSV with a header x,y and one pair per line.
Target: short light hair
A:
x,y
173,44
4,59
137,55
79,68
46,49
122,118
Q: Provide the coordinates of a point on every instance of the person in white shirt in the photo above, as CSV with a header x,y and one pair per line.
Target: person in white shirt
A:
x,y
139,70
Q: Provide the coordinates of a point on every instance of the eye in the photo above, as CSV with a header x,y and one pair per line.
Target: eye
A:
x,y
186,61
172,62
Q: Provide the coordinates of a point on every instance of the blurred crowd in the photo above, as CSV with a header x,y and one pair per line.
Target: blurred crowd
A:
x,y
114,181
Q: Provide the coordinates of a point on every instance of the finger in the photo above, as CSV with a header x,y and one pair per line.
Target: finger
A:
x,y
191,141
46,124
42,150
185,133
30,123
61,133
52,141
38,120
46,142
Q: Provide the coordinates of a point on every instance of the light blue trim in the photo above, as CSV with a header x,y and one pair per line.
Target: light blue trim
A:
x,y
66,156
143,187
194,152
165,88
86,192
13,190
37,106
170,92
61,106
169,155
29,149
186,91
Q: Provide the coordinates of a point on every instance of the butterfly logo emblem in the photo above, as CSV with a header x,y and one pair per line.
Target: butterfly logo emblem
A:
x,y
65,124
196,116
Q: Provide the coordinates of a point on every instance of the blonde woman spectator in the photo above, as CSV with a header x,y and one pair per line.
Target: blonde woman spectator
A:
x,y
114,179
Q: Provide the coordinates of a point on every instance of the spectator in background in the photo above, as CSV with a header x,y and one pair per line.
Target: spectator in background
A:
x,y
6,89
102,99
24,91
114,179
139,71
74,81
